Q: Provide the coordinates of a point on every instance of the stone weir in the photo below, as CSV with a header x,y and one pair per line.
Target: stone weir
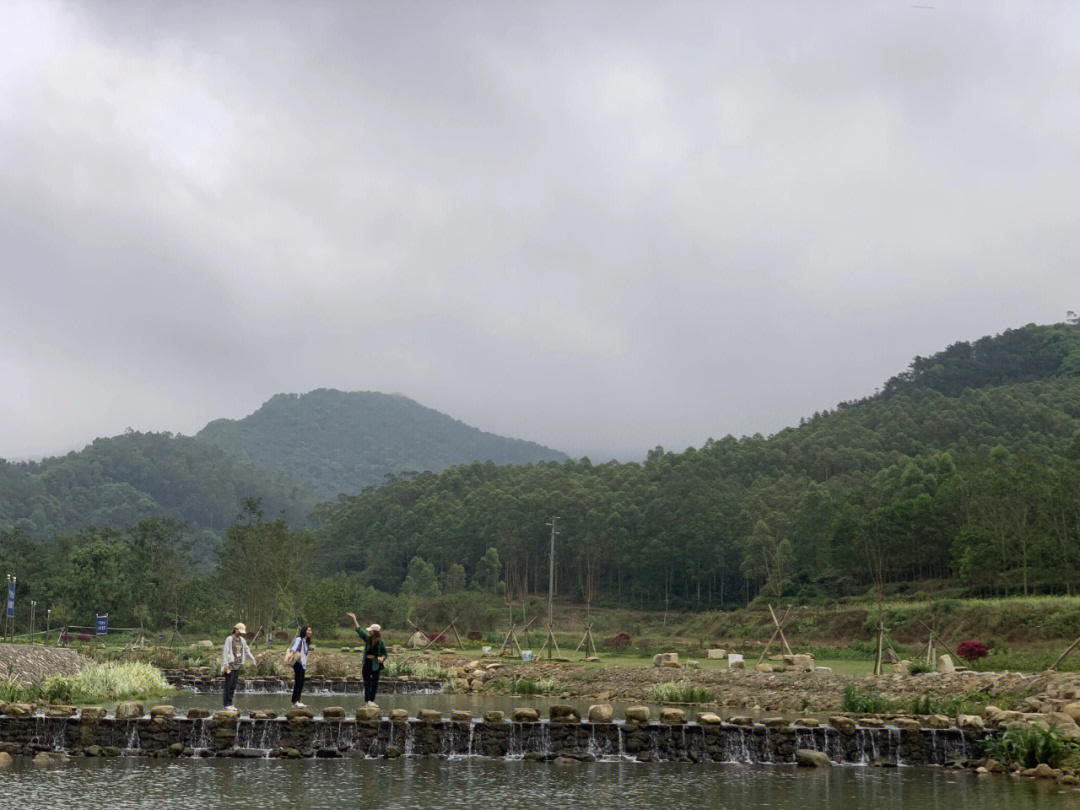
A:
x,y
205,684
564,736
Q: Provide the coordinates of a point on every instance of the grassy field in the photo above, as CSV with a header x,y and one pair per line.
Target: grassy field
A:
x,y
1023,633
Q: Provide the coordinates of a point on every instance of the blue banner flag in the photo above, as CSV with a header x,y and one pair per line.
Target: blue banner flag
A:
x,y
103,624
11,600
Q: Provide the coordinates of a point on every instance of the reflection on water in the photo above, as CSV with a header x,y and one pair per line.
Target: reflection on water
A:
x,y
436,784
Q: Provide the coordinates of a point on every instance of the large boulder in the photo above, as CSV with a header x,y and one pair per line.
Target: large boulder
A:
x,y
333,713
672,717
716,654
367,713
945,664
129,710
808,758
969,722
429,716
845,725
668,659
636,714
5,760
802,662
564,713
601,713
735,661
709,719
525,715
494,716
763,667
399,716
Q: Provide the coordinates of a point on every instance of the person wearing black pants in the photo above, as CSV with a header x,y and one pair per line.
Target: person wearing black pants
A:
x,y
236,654
299,651
374,657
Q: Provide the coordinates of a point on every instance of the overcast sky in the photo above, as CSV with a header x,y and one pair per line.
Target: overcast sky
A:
x,y
600,226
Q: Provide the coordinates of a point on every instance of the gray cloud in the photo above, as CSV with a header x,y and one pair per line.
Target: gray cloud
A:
x,y
603,226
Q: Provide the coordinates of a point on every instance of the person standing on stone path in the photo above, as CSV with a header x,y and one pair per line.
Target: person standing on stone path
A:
x,y
374,657
299,651
235,655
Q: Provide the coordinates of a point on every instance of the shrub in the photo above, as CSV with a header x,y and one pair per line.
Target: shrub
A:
x,y
438,638
328,666
475,635
528,686
972,650
281,635
919,667
1030,746
679,692
618,642
83,637
866,702
65,638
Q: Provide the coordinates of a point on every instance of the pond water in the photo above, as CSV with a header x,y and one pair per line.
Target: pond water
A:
x,y
435,784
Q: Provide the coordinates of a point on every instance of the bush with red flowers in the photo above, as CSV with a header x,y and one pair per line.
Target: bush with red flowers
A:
x,y
438,638
65,638
83,637
475,635
619,641
972,650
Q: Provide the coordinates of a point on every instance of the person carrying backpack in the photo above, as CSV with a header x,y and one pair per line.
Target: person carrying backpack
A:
x,y
297,656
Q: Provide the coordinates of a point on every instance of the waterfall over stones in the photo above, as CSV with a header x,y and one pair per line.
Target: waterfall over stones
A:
x,y
433,735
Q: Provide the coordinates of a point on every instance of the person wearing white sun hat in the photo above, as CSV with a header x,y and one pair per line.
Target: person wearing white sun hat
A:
x,y
374,657
236,653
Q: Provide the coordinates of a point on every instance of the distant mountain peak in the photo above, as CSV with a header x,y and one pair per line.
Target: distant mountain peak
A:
x,y
342,441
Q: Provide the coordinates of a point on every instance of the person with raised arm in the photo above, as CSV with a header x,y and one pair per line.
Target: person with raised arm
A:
x,y
374,657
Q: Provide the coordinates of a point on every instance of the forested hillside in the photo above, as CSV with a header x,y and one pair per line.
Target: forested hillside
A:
x,y
120,480
340,441
963,468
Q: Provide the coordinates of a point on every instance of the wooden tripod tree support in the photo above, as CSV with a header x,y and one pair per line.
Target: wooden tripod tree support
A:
x,y
587,640
550,644
930,645
511,640
779,630
451,626
1061,657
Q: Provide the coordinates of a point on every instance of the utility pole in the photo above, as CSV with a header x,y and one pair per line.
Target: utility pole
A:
x,y
33,617
550,644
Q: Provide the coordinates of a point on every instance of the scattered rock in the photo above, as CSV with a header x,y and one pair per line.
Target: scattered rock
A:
x,y
525,715
295,714
763,667
399,716
709,719
333,713
5,760
162,711
969,722
636,714
716,655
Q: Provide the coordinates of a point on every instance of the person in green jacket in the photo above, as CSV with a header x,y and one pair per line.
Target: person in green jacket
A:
x,y
374,657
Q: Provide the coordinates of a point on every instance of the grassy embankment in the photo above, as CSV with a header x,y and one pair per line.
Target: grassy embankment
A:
x,y
1023,633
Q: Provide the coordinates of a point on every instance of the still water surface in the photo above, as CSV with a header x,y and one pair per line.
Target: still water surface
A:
x,y
479,784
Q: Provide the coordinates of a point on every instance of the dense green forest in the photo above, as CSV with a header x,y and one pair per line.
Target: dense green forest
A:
x,y
291,453
342,442
966,468
115,482
962,473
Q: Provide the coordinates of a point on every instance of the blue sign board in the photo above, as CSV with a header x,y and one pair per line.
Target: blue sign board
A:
x,y
103,624
11,599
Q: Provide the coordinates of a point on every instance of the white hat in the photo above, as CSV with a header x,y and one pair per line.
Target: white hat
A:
x,y
374,629
241,627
